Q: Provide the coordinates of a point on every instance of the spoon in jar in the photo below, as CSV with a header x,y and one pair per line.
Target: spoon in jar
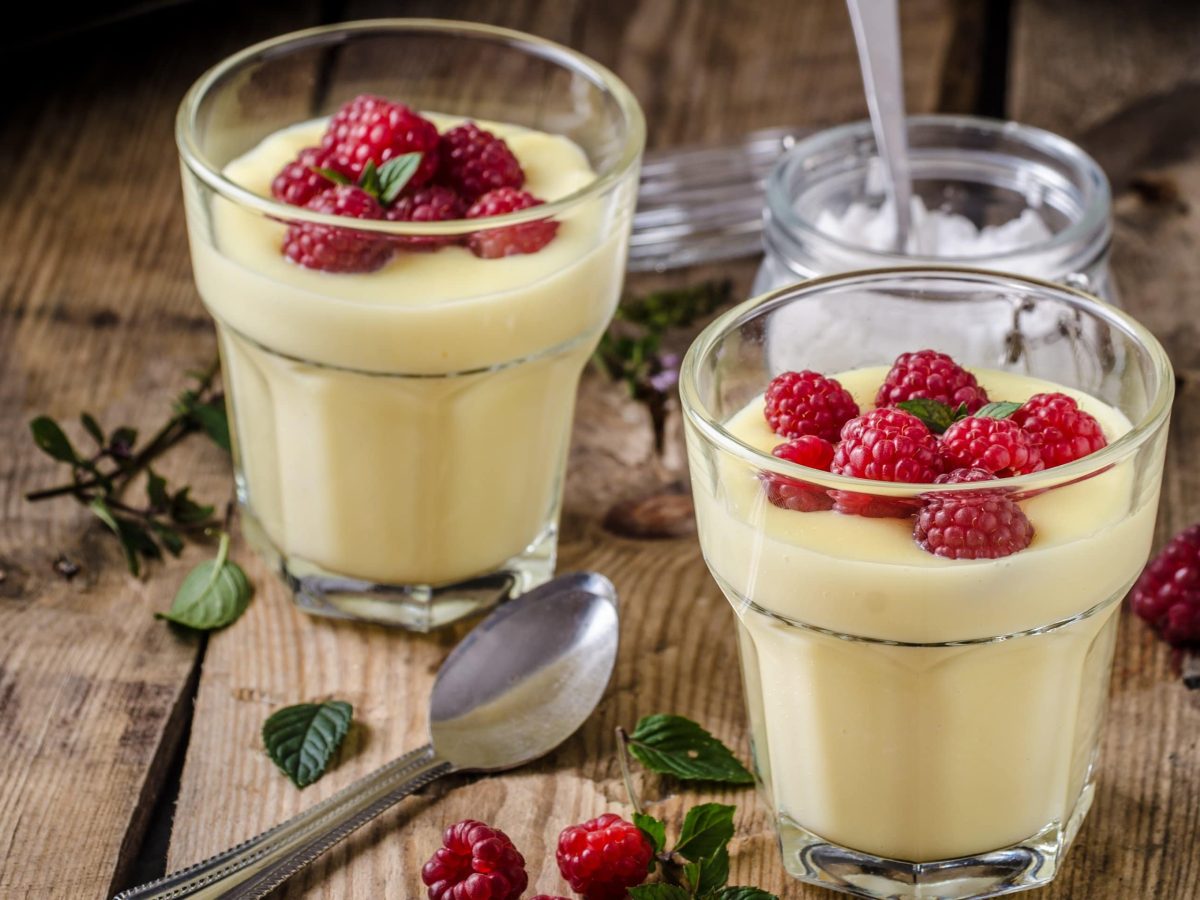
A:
x,y
877,34
522,682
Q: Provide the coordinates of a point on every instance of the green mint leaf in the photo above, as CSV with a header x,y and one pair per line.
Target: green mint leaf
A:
x,y
332,174
659,891
369,180
676,307
92,427
52,441
654,829
187,511
301,739
707,828
101,511
212,418
673,745
169,538
998,409
711,872
395,174
156,490
214,594
742,893
936,415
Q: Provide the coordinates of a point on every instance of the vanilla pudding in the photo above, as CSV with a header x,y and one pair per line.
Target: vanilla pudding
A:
x,y
409,425
923,753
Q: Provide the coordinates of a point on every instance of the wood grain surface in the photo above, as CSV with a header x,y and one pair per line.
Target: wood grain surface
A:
x,y
97,310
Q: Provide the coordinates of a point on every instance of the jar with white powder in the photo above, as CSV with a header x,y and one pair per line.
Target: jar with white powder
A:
x,y
987,194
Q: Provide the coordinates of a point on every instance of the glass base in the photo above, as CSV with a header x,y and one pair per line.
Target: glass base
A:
x,y
416,607
1029,864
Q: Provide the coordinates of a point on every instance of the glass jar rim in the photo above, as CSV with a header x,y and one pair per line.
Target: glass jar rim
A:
x,y
716,433
199,165
1093,226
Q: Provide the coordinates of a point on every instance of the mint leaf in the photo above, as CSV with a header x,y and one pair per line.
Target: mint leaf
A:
x,y
654,829
92,427
741,893
187,511
673,745
156,490
658,891
130,540
936,415
369,180
301,739
707,828
395,174
998,409
52,441
708,874
332,174
213,595
211,417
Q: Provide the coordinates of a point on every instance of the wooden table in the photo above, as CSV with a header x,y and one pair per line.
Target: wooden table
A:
x,y
110,722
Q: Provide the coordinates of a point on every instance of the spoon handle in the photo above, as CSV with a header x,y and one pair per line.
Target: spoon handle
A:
x,y
253,868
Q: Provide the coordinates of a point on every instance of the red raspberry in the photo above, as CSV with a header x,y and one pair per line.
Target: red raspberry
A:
x,y
432,203
930,375
334,249
798,403
885,445
602,858
1168,593
979,525
999,445
375,129
297,183
475,862
791,493
475,161
529,237
1060,430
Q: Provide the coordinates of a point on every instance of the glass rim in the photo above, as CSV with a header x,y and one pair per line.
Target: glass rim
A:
x,y
1092,224
715,433
199,165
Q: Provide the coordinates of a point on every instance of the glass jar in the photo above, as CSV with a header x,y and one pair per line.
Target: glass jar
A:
x,y
987,170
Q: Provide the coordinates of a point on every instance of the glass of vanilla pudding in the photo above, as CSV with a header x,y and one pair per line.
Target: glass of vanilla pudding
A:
x,y
411,234
926,659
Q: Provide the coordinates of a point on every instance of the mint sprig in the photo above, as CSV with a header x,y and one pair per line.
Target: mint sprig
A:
x,y
385,182
674,745
301,739
997,409
936,415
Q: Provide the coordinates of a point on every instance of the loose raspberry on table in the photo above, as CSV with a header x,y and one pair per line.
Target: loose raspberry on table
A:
x,y
1167,595
799,403
792,493
885,445
297,183
474,161
1060,430
978,525
603,858
332,248
475,862
1001,446
930,375
371,128
528,237
432,203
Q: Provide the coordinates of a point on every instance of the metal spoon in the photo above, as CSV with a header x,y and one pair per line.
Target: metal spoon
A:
x,y
877,34
518,685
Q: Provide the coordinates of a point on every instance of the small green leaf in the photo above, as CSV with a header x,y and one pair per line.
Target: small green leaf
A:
x,y
673,745
998,409
92,427
332,174
707,828
369,180
101,511
169,537
187,511
122,441
52,441
212,418
395,174
212,595
936,415
742,893
658,891
709,873
156,490
301,739
654,829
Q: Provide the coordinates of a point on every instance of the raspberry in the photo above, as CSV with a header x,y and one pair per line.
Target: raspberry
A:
x,y
1061,431
933,376
475,161
475,862
885,445
791,493
432,203
602,858
1001,446
798,403
375,129
334,249
1167,595
529,237
979,525
297,183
